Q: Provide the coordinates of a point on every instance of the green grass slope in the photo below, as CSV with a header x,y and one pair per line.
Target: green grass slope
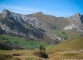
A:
x,y
72,44
21,41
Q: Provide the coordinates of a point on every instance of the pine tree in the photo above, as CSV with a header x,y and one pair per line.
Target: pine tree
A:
x,y
40,47
44,49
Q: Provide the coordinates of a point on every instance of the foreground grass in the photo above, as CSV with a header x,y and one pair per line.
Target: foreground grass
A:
x,y
22,55
70,54
5,56
28,55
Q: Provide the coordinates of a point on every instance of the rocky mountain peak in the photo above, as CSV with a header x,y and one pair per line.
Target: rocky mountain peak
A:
x,y
75,22
39,13
23,18
5,13
5,10
76,15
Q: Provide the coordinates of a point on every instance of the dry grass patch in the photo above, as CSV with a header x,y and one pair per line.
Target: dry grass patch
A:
x,y
5,56
70,54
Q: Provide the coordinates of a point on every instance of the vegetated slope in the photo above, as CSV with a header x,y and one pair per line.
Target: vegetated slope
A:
x,y
68,45
67,34
13,42
56,22
46,18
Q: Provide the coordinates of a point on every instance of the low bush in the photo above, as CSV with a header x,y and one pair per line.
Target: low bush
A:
x,y
41,54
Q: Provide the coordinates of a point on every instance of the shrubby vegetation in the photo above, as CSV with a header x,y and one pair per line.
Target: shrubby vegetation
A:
x,y
41,52
12,42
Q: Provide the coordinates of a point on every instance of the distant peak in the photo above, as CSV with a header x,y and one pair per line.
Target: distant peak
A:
x,y
77,14
5,10
6,13
40,13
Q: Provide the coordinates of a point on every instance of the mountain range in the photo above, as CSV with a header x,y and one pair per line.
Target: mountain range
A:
x,y
70,27
41,27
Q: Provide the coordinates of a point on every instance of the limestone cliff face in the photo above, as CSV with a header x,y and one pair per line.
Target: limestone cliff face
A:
x,y
76,21
22,18
22,25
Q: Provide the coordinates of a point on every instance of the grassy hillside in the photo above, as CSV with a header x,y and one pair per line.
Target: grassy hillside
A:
x,y
66,34
20,41
46,18
59,33
4,38
69,49
71,44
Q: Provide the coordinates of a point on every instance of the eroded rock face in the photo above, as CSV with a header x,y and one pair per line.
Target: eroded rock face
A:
x,y
8,29
36,29
75,22
23,18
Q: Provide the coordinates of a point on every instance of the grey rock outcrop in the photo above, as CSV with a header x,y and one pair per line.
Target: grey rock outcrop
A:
x,y
75,22
23,18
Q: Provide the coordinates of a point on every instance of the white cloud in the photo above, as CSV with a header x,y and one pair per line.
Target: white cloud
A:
x,y
25,10
18,9
22,9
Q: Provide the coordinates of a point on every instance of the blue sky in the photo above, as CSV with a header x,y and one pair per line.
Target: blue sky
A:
x,y
59,8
